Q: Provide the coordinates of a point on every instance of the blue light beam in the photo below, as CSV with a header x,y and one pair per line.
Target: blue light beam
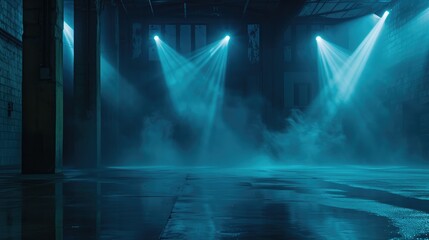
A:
x,y
340,72
196,83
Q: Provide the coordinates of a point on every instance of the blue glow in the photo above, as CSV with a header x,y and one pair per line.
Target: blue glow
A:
x,y
318,38
196,83
386,13
110,78
332,58
227,38
69,36
340,71
156,38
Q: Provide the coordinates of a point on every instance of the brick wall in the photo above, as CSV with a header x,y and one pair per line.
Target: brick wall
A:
x,y
406,77
10,81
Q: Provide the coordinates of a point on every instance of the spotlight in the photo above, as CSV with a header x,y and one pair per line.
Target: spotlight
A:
x,y
386,13
318,38
156,37
227,37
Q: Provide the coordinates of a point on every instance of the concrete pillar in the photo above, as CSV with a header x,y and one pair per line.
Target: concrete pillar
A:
x,y
110,56
42,86
278,70
270,69
87,82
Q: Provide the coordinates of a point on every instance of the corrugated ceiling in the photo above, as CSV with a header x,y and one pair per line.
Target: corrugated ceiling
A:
x,y
343,8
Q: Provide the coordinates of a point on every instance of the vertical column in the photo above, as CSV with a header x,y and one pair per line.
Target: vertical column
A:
x,y
278,76
87,82
267,53
42,87
109,64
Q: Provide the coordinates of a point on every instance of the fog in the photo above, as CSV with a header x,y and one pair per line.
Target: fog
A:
x,y
350,120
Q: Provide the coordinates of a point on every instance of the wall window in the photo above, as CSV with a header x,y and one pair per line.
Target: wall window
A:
x,y
137,40
185,39
153,30
287,44
287,54
302,44
301,94
253,45
200,36
170,36
182,38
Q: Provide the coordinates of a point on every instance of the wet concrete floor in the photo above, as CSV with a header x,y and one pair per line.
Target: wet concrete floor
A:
x,y
211,203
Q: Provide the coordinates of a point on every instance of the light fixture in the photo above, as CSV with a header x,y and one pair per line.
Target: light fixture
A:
x,y
386,13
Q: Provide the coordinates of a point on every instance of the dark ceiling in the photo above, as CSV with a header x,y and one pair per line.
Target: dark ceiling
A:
x,y
260,9
205,8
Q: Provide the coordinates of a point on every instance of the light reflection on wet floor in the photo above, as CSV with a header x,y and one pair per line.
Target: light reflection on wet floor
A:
x,y
207,203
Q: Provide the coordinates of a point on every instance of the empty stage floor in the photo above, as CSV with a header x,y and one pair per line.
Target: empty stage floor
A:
x,y
210,203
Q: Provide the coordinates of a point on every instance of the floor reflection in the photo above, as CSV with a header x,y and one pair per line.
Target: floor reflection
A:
x,y
41,209
152,203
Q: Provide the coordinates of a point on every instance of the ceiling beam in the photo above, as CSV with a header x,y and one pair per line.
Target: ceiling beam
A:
x,y
245,8
338,11
123,6
323,4
151,8
353,7
185,10
315,7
